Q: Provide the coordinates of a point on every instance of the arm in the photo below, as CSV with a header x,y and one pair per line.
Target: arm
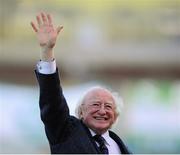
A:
x,y
53,106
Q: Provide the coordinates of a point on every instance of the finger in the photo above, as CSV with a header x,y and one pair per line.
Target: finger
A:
x,y
49,19
44,19
38,20
59,28
34,27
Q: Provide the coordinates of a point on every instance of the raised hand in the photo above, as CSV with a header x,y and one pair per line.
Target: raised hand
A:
x,y
46,34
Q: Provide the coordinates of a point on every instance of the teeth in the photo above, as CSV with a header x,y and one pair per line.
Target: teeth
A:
x,y
100,118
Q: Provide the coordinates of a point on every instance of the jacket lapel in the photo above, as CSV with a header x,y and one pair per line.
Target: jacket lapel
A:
x,y
122,146
91,140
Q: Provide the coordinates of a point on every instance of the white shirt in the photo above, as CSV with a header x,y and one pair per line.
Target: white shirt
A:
x,y
112,146
44,67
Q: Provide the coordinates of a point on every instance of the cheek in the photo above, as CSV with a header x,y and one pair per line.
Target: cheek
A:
x,y
113,116
88,114
85,113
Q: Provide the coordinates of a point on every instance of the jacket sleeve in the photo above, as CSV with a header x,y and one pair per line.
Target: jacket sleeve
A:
x,y
53,107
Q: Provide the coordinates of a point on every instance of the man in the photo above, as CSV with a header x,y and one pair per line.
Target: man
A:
x,y
97,111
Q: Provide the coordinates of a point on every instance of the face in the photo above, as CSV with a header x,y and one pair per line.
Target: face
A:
x,y
98,110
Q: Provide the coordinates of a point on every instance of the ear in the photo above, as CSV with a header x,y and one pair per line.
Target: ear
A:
x,y
81,113
115,117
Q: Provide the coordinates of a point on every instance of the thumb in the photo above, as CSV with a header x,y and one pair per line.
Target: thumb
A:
x,y
59,28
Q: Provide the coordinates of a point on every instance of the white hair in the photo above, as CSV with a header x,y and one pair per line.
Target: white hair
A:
x,y
117,100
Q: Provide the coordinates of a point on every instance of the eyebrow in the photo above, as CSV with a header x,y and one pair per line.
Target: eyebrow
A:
x,y
108,102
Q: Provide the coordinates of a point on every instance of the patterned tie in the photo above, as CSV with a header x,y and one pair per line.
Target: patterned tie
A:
x,y
101,141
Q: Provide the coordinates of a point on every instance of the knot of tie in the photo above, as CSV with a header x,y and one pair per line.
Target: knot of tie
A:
x,y
101,141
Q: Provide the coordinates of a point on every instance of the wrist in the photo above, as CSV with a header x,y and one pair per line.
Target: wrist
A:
x,y
46,54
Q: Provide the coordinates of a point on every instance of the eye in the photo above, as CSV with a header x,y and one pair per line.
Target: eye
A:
x,y
109,107
95,104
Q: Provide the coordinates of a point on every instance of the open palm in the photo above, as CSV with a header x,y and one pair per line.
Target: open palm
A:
x,y
46,33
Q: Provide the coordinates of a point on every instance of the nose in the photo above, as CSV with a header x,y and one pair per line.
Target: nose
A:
x,y
102,110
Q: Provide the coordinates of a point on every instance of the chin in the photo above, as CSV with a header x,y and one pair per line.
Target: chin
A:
x,y
102,128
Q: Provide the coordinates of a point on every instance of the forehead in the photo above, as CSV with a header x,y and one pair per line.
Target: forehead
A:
x,y
99,94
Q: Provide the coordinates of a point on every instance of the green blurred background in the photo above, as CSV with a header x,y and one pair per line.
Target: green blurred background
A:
x,y
130,46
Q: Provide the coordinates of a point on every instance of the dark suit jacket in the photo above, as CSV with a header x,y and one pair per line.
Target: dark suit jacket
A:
x,y
66,134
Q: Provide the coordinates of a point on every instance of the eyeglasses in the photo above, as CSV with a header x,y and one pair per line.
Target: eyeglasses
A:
x,y
99,105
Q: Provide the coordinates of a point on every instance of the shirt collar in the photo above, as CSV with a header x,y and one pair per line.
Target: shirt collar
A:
x,y
105,136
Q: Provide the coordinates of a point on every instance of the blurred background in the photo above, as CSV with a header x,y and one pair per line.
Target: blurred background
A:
x,y
129,46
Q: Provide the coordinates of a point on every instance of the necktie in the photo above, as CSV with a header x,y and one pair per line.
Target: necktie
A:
x,y
101,141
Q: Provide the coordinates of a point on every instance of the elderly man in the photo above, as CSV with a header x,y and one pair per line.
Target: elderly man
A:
x,y
88,134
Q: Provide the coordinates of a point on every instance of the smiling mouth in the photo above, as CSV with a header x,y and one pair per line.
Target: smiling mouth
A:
x,y
101,118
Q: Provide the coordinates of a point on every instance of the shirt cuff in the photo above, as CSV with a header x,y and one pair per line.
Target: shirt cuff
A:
x,y
45,67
